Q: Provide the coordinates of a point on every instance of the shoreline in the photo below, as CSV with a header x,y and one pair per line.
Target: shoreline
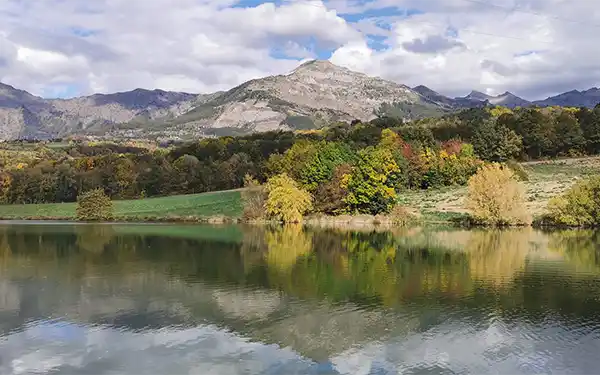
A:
x,y
359,222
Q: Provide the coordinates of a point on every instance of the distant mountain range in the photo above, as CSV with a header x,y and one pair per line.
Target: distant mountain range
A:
x,y
314,94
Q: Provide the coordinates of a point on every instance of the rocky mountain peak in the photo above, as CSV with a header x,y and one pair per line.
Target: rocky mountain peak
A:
x,y
478,95
317,65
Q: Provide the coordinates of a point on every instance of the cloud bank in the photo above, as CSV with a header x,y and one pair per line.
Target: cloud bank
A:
x,y
533,48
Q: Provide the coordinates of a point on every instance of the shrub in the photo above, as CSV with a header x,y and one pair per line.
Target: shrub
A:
x,y
94,205
253,199
402,216
285,200
495,197
579,206
518,170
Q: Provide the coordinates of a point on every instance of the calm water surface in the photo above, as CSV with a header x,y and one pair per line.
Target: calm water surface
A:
x,y
150,299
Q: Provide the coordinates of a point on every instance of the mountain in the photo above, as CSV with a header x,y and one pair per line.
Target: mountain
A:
x,y
312,95
588,98
23,115
506,100
446,102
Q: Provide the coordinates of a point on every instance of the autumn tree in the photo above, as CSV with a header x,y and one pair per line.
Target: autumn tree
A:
x,y
286,201
371,183
496,197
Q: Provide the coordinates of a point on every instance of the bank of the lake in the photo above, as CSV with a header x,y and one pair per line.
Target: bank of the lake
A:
x,y
546,179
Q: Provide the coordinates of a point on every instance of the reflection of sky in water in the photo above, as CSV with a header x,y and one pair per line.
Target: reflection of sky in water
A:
x,y
57,347
452,347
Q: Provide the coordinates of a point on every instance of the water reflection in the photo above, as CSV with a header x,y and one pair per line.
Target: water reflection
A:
x,y
190,299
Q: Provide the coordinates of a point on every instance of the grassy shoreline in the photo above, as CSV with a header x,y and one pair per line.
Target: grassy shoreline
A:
x,y
435,206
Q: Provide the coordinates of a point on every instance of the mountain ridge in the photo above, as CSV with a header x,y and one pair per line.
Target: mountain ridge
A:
x,y
313,94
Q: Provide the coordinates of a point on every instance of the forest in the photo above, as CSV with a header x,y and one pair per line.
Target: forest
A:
x,y
348,167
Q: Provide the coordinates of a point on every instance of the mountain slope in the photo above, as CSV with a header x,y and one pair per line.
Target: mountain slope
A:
x,y
449,103
25,115
588,98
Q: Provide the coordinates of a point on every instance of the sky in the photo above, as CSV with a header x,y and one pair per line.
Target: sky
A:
x,y
66,48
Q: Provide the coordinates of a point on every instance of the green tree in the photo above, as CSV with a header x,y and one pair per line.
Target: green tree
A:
x,y
494,141
589,121
319,168
293,160
371,183
569,138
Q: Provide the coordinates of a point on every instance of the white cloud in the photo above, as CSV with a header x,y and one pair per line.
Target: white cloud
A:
x,y
452,46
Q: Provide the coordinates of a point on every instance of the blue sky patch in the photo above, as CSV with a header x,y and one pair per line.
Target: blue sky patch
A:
x,y
254,3
61,90
82,32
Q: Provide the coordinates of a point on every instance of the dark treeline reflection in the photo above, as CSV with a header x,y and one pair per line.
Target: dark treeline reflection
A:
x,y
200,271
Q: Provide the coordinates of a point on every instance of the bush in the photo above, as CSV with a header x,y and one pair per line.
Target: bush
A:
x,y
518,170
495,197
402,216
579,206
285,200
253,199
94,205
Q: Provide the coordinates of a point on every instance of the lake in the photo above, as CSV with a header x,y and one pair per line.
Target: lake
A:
x,y
173,299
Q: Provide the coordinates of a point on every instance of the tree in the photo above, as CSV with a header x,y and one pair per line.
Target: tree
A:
x,y
329,196
371,183
495,197
94,205
493,141
589,121
285,200
537,131
570,138
293,160
319,168
253,199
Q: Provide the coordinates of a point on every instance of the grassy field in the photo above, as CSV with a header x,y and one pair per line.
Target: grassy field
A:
x,y
546,180
226,203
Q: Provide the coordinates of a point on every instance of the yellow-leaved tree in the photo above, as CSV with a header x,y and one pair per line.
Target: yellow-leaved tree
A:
x,y
496,197
286,201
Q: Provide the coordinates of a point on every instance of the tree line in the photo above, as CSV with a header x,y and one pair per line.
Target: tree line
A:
x,y
361,164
